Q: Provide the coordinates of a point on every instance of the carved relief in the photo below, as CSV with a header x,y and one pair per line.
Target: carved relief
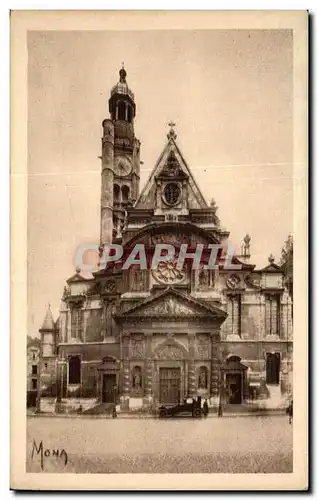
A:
x,y
170,238
233,281
170,352
109,287
137,348
203,348
169,307
172,167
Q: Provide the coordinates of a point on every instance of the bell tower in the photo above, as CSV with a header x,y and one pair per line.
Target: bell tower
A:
x,y
120,161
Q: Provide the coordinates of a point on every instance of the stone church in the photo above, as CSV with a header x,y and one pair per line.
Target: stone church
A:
x,y
141,338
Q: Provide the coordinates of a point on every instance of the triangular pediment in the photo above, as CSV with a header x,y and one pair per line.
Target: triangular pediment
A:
x,y
172,303
80,276
272,268
170,165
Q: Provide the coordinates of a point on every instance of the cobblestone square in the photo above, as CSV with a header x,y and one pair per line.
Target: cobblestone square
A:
x,y
224,445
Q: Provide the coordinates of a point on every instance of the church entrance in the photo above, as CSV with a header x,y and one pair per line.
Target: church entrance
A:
x,y
272,368
234,388
109,382
169,385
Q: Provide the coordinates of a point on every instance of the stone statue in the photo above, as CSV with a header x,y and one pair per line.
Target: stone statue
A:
x,y
202,379
137,379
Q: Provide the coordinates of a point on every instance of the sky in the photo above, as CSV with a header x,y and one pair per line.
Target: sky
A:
x,y
230,93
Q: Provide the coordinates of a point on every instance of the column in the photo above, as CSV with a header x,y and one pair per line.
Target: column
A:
x,y
126,385
191,367
148,370
274,315
215,365
69,324
235,299
125,372
59,385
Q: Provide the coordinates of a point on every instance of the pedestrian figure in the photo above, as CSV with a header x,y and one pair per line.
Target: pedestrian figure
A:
x,y
290,412
220,410
205,408
114,412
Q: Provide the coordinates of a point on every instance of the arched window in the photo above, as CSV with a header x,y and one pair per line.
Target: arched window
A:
x,y
74,370
272,368
129,113
125,194
172,193
116,192
121,110
137,379
203,378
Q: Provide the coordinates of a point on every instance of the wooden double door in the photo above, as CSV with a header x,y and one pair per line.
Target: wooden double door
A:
x,y
234,388
169,385
109,384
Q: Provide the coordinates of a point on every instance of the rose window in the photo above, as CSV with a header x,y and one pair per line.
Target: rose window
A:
x,y
168,273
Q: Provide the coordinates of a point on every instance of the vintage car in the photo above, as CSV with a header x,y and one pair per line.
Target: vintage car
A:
x,y
185,409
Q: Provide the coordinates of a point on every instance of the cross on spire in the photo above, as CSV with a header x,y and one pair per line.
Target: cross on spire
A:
x,y
171,133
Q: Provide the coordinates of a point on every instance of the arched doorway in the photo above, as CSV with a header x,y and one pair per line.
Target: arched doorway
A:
x,y
272,368
109,379
233,383
74,370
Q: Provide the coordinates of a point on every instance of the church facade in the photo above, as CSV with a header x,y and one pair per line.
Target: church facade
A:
x,y
144,337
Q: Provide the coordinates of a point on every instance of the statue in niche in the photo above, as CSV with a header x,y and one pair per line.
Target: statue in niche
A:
x,y
203,378
137,377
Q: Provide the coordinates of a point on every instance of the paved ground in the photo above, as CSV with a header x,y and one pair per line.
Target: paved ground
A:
x,y
249,444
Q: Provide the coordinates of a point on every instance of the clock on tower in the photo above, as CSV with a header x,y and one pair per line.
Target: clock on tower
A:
x,y
122,166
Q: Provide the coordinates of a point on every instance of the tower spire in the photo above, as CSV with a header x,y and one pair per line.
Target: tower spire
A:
x,y
48,323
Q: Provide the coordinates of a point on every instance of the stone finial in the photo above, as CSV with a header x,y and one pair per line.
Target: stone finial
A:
x,y
247,239
213,204
245,246
271,259
171,134
78,269
122,74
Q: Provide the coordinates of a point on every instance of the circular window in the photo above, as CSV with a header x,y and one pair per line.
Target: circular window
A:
x,y
172,193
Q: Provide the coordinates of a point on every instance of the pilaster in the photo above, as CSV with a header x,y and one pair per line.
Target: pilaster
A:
x,y
191,366
215,364
125,372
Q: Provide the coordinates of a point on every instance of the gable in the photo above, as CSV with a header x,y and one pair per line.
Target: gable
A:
x,y
79,277
171,166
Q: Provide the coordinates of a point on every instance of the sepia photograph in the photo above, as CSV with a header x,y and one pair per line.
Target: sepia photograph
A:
x,y
159,192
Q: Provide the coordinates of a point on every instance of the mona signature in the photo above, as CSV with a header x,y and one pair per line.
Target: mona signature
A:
x,y
47,453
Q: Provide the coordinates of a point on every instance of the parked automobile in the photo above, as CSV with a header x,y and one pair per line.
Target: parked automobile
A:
x,y
186,409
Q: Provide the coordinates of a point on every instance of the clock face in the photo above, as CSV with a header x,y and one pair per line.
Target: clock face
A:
x,y
122,166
